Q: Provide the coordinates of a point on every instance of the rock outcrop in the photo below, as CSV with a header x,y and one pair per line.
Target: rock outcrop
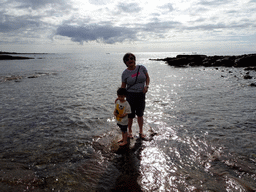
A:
x,y
10,57
248,61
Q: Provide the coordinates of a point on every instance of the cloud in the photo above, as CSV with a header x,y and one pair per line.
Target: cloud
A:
x,y
100,33
157,26
167,6
110,22
129,7
214,2
99,2
39,4
11,24
106,32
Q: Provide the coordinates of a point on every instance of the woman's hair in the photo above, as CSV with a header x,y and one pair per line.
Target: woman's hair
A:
x,y
127,55
121,91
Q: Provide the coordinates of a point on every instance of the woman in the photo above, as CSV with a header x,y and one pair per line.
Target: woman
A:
x,y
136,80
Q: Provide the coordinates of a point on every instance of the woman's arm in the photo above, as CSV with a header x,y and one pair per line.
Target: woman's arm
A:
x,y
123,85
147,83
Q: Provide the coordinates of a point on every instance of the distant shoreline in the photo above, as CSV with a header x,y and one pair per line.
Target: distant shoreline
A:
x,y
9,55
15,53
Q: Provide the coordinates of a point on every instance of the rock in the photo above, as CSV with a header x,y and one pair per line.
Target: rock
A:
x,y
178,62
33,76
11,78
248,61
9,57
250,69
247,76
225,61
253,84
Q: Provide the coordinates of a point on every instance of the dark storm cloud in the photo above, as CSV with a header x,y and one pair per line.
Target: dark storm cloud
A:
x,y
106,33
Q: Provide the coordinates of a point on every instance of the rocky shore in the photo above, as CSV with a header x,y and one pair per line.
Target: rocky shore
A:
x,y
10,57
248,61
247,64
14,56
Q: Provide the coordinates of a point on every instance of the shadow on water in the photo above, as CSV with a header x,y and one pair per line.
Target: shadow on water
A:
x,y
123,169
128,163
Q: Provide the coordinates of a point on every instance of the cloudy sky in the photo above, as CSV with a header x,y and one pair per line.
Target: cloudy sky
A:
x,y
203,26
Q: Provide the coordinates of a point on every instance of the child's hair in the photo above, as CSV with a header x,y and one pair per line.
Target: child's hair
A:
x,y
121,91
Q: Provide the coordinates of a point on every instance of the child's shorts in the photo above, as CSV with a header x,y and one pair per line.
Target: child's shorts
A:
x,y
123,128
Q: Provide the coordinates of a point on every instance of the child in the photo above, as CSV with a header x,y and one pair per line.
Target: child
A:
x,y
122,109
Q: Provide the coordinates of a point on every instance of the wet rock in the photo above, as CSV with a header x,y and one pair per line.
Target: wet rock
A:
x,y
13,78
33,76
250,69
225,61
246,61
247,76
253,84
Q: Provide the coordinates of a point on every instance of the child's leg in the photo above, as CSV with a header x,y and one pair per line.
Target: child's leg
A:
x,y
122,128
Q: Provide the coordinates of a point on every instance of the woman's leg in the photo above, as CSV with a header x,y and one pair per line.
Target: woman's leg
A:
x,y
130,121
140,122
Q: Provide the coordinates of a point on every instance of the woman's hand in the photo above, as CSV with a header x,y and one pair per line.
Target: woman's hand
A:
x,y
145,90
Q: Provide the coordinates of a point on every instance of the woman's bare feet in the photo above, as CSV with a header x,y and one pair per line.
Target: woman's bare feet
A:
x,y
123,144
130,135
121,140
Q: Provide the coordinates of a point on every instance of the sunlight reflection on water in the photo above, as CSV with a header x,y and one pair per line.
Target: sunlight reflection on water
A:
x,y
58,131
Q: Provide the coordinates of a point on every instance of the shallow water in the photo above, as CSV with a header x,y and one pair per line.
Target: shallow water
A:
x,y
58,132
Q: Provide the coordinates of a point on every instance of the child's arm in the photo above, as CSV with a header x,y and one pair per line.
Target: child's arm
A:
x,y
123,115
115,113
127,110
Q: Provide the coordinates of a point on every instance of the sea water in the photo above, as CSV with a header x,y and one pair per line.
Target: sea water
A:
x,y
58,132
